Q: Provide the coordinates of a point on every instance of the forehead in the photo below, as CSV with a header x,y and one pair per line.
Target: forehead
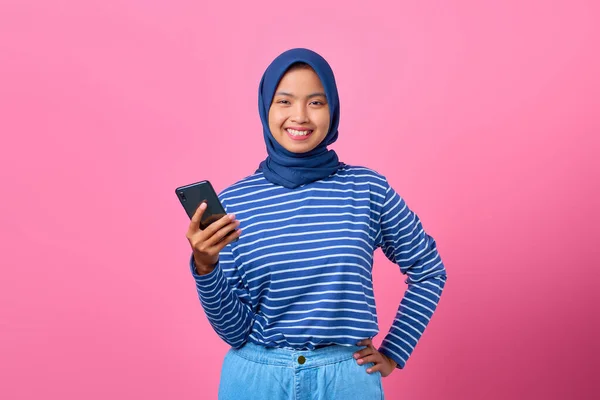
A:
x,y
300,79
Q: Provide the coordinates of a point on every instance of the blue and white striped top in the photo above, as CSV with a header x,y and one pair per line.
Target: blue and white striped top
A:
x,y
300,275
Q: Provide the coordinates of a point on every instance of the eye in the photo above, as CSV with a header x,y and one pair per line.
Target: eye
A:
x,y
318,103
283,102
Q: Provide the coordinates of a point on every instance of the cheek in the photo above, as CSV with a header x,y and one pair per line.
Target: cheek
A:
x,y
276,119
323,122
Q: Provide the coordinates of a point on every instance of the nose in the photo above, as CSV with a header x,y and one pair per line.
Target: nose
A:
x,y
300,116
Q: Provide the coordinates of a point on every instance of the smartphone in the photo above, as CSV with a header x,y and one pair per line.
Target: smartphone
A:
x,y
190,196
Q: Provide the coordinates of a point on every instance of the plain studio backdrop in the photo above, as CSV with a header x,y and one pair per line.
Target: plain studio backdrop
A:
x,y
484,116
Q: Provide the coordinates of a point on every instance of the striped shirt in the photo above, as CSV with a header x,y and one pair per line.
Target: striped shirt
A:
x,y
300,275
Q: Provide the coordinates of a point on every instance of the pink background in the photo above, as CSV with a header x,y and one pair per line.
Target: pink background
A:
x,y
485,117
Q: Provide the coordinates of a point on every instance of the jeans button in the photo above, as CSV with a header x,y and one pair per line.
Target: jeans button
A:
x,y
301,360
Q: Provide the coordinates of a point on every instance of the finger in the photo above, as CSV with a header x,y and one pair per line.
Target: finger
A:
x,y
197,217
372,358
376,367
363,353
219,224
365,342
222,233
221,245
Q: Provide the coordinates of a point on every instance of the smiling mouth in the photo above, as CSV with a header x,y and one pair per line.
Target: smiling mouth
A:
x,y
299,133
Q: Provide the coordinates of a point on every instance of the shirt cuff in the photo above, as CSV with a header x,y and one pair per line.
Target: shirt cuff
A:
x,y
400,363
207,278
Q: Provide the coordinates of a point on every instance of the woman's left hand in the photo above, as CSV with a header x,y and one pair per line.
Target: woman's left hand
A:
x,y
383,364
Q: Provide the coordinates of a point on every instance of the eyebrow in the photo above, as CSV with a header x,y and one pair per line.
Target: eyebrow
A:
x,y
310,96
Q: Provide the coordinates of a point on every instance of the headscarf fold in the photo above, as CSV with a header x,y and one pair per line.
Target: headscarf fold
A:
x,y
283,167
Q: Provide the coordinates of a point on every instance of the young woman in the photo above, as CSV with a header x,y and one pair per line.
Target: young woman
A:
x,y
293,296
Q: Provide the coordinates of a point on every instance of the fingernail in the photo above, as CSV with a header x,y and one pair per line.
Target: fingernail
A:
x,y
360,361
369,370
231,217
203,205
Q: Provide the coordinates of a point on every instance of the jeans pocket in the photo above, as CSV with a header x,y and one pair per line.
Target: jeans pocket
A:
x,y
352,381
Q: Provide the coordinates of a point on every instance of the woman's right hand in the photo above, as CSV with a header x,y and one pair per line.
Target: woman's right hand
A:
x,y
208,243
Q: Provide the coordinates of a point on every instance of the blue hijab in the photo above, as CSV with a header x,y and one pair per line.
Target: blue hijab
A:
x,y
282,167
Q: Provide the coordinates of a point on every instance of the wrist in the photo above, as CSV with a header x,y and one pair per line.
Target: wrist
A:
x,y
203,269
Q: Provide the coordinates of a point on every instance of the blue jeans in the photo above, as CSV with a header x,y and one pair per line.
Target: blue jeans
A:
x,y
259,373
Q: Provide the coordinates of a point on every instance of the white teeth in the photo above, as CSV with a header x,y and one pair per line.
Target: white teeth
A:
x,y
298,133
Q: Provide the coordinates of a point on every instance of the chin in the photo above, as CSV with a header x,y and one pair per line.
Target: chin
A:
x,y
295,148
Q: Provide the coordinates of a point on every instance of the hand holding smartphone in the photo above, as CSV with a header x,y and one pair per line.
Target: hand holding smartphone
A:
x,y
210,229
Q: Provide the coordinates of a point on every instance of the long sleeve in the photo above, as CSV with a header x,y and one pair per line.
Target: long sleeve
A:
x,y
404,242
225,299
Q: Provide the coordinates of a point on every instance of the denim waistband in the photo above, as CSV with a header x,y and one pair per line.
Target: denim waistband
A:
x,y
300,359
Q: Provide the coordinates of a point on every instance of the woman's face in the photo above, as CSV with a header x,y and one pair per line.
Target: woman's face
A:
x,y
299,113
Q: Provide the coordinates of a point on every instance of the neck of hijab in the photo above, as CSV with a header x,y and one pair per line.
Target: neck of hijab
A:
x,y
283,167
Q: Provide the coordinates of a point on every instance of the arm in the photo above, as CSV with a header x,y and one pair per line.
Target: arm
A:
x,y
404,242
225,299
